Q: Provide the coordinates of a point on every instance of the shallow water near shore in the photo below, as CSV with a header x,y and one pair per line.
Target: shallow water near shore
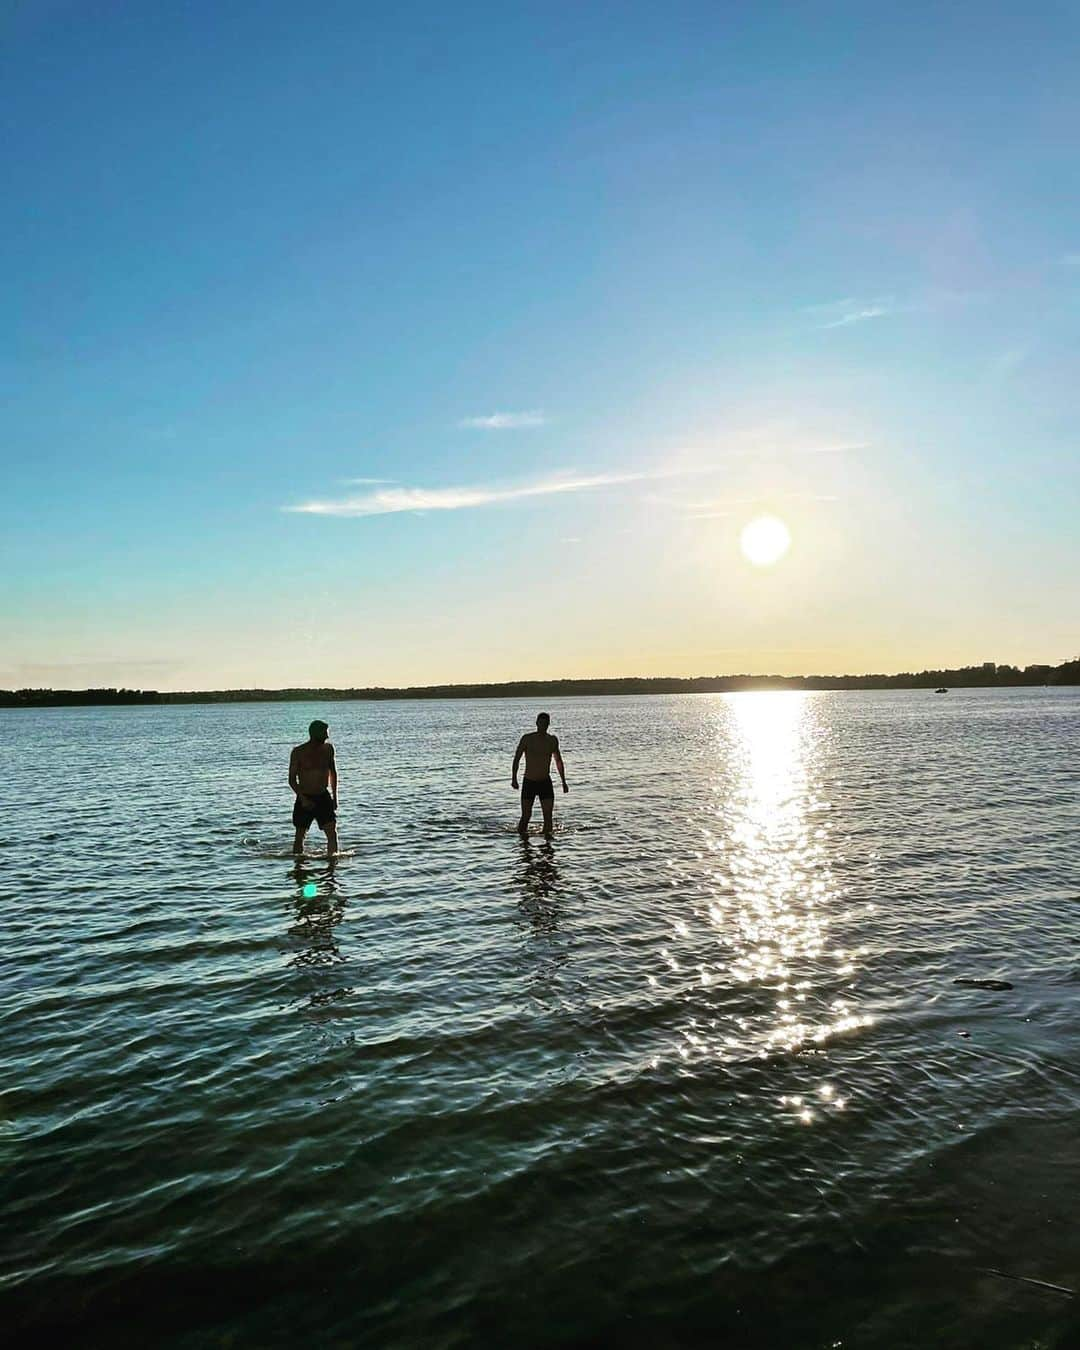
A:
x,y
693,1072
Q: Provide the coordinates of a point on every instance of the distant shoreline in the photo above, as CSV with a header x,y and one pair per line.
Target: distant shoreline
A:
x,y
967,677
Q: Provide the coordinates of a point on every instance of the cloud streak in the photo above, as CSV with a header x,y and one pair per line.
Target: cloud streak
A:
x,y
723,508
860,315
841,448
504,421
393,500
852,310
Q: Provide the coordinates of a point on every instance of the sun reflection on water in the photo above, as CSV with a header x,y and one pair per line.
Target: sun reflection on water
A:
x,y
785,892
772,899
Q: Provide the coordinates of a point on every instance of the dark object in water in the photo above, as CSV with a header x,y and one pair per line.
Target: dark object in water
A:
x,y
966,1035
941,691
984,984
1026,1279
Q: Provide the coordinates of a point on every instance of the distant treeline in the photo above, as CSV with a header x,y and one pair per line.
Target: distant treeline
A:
x,y
968,677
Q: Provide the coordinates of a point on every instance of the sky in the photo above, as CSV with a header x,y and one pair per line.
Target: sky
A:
x,y
354,345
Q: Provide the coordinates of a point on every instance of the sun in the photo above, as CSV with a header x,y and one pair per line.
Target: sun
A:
x,y
765,540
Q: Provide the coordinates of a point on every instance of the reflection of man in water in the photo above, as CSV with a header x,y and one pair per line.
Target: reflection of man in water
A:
x,y
538,747
313,777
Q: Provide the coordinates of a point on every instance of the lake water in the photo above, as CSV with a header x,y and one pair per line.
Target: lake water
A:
x,y
696,1073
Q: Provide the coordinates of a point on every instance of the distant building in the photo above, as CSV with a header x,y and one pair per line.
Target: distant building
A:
x,y
990,666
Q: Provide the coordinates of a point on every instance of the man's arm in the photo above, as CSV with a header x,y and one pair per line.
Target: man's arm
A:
x,y
517,760
559,764
333,776
294,774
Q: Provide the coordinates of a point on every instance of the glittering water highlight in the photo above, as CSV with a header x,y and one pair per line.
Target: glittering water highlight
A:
x,y
694,1071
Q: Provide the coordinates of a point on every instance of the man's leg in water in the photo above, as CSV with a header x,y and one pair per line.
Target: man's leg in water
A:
x,y
331,836
526,814
548,804
298,842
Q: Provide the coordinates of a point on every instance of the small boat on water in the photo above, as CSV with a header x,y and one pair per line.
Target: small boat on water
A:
x,y
941,691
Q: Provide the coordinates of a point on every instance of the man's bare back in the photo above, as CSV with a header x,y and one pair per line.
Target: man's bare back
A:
x,y
538,748
312,763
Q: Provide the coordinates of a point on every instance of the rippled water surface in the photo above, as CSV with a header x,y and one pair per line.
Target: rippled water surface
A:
x,y
696,1072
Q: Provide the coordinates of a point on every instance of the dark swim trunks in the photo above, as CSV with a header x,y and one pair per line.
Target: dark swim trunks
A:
x,y
531,788
319,807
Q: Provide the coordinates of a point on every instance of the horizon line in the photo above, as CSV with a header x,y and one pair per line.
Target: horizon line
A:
x,y
352,693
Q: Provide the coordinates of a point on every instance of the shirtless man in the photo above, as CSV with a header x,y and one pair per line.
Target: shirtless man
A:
x,y
311,772
538,747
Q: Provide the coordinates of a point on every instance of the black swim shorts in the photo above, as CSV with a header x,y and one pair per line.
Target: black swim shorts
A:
x,y
319,807
531,788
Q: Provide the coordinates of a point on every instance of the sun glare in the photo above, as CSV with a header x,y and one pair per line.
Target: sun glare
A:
x,y
765,540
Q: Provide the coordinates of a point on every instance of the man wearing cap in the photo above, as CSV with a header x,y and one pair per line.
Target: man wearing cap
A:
x,y
313,777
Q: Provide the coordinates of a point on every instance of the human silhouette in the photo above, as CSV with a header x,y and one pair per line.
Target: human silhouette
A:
x,y
539,748
313,778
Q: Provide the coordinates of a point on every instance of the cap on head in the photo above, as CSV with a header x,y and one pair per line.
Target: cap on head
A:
x,y
317,731
542,720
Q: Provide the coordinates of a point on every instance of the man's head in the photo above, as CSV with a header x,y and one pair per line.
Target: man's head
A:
x,y
543,721
318,730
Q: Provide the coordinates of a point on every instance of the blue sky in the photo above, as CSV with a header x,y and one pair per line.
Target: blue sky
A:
x,y
685,264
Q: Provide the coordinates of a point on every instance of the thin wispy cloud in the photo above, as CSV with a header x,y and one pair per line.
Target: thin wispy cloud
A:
x,y
858,309
842,448
392,500
723,508
504,421
842,313
1010,360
